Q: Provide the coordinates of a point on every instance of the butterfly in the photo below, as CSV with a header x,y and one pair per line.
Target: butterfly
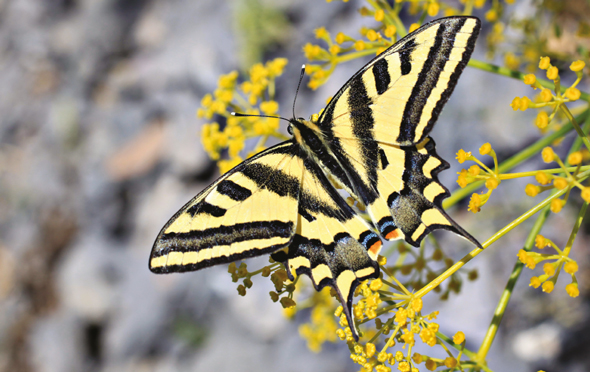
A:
x,y
372,141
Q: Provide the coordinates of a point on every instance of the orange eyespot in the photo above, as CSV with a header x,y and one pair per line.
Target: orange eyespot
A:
x,y
375,248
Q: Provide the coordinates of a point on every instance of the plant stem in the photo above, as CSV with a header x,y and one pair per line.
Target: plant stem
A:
x,y
515,160
516,75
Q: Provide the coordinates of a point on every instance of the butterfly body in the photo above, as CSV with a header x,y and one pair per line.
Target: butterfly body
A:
x,y
372,141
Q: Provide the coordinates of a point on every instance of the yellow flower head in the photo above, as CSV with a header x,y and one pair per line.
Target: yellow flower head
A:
x,y
492,183
530,79
545,95
572,290
535,282
543,178
544,63
586,194
433,9
379,15
413,27
560,183
577,66
573,94
548,155
557,205
552,73
459,338
571,267
390,31
372,35
541,242
359,45
549,269
575,158
485,149
548,287
542,120
462,155
532,190
475,203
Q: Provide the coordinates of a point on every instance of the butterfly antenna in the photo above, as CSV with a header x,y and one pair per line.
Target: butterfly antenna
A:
x,y
237,114
298,85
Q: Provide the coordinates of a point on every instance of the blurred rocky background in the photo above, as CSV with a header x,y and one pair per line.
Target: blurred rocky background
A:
x,y
99,146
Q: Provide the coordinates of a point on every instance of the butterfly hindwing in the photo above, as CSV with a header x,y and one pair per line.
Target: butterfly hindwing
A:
x,y
394,101
333,245
237,216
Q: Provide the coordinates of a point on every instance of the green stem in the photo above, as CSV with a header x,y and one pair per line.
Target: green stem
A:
x,y
571,118
515,160
450,271
575,230
516,75
505,298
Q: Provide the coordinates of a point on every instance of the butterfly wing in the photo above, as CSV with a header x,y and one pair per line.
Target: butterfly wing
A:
x,y
249,211
333,245
393,103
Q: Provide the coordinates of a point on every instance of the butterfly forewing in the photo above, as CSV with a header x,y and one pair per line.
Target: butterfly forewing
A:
x,y
249,211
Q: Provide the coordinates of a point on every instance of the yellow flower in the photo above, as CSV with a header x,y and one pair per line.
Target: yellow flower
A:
x,y
557,205
575,158
573,94
545,95
390,31
560,183
276,66
462,156
334,49
416,304
475,203
572,290
541,242
417,358
535,282
544,63
479,3
372,35
492,183
433,9
359,45
485,149
413,27
379,15
552,73
530,79
462,179
228,81
474,170
515,103
459,338
269,107
549,269
431,365
571,267
586,194
542,120
450,362
548,287
525,103
370,349
399,356
404,366
548,155
577,66
321,33
376,285
532,190
543,178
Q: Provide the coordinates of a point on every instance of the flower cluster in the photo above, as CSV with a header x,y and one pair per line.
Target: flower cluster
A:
x,y
565,180
553,265
253,97
547,99
278,275
479,172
